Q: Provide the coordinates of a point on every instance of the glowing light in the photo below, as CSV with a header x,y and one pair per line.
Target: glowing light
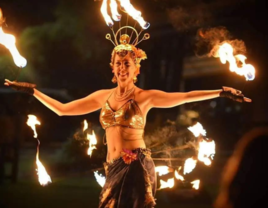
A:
x,y
162,170
196,184
116,16
197,130
169,184
32,121
107,18
225,53
9,42
99,178
189,165
92,143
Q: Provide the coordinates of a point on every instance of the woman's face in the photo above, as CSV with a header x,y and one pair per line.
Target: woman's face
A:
x,y
124,68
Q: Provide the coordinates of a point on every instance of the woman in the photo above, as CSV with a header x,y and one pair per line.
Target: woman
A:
x,y
130,175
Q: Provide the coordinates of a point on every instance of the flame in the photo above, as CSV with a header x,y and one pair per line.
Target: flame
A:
x,y
189,165
206,149
135,14
178,176
100,179
225,52
9,42
197,130
85,125
116,16
169,184
43,177
32,121
92,142
107,18
162,170
196,184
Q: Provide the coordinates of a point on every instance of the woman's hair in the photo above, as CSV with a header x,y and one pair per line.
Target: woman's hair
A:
x,y
123,49
244,180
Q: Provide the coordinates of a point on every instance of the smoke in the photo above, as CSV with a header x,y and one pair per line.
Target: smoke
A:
x,y
209,40
188,17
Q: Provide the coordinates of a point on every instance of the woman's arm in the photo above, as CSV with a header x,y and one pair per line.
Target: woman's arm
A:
x,y
160,99
81,106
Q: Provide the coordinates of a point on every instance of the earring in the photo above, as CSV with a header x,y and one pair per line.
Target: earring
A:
x,y
114,80
135,79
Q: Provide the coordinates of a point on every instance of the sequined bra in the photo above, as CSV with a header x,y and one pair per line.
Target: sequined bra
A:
x,y
128,115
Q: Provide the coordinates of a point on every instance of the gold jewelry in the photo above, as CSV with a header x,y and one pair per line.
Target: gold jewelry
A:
x,y
135,79
124,96
114,79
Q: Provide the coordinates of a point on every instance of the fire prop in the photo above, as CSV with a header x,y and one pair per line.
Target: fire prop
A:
x,y
9,42
92,141
43,177
206,151
237,63
126,7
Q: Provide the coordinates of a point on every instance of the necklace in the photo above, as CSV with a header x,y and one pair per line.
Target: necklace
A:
x,y
124,96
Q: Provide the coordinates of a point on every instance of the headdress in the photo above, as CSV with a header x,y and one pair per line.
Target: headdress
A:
x,y
122,42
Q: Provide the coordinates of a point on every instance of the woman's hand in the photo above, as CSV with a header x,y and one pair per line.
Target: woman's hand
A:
x,y
21,86
234,94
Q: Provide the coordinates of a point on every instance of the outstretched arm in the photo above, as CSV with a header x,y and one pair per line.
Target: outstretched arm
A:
x,y
81,106
77,107
160,99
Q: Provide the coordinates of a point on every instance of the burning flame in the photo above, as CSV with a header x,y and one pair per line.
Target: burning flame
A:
x,y
116,16
91,139
206,148
169,184
178,176
100,179
92,142
189,165
107,18
196,184
162,170
135,14
225,53
198,130
43,177
9,42
32,121
127,6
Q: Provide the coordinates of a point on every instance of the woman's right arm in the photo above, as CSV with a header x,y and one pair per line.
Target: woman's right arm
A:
x,y
81,106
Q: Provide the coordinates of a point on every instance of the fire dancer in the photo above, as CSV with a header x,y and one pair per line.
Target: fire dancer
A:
x,y
130,173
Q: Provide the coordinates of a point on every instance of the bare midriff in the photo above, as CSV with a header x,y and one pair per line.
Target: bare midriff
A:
x,y
119,138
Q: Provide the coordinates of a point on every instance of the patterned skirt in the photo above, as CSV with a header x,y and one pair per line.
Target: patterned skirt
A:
x,y
130,181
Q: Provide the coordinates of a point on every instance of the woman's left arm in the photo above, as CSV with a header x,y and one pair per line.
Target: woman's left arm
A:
x,y
160,99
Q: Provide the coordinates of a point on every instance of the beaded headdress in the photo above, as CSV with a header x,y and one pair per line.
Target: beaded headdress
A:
x,y
122,42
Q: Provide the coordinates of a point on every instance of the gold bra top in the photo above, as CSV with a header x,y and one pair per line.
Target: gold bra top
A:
x,y
128,115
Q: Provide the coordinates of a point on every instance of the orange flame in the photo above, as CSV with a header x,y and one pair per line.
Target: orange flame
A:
x,y
162,170
196,184
116,16
178,176
198,130
107,18
135,14
169,184
189,165
225,52
99,178
92,142
43,177
9,42
206,149
32,121
85,125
